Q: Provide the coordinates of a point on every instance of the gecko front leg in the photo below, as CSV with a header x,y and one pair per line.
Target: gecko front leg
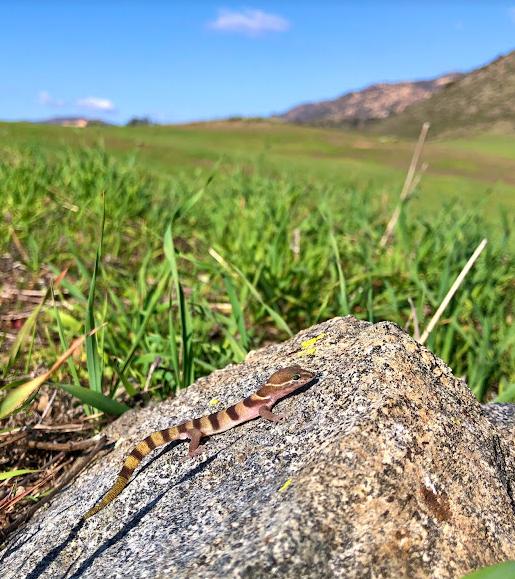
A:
x,y
195,437
267,414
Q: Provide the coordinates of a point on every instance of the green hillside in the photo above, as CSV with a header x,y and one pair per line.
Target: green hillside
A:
x,y
481,101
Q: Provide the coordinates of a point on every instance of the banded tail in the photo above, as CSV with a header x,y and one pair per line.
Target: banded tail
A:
x,y
144,448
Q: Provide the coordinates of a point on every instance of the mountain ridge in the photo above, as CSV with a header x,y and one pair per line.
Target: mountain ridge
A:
x,y
482,99
374,102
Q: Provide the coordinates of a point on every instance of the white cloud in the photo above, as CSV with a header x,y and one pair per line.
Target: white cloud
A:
x,y
249,21
96,104
44,98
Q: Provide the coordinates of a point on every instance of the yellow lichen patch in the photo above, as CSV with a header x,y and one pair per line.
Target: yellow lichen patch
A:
x,y
285,485
308,352
214,402
308,346
308,343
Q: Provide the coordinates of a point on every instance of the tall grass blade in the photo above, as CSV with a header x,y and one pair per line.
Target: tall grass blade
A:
x,y
93,362
155,295
281,323
237,313
188,367
69,361
342,285
17,472
24,332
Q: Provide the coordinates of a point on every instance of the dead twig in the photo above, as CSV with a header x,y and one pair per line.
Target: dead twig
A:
x,y
15,439
78,466
414,317
409,185
19,246
72,427
45,412
452,291
151,371
63,446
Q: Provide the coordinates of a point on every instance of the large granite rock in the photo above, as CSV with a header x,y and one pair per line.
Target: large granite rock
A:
x,y
387,467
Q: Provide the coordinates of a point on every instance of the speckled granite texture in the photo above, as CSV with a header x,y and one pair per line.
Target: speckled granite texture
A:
x,y
387,467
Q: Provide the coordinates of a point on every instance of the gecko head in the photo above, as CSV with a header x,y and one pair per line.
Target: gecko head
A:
x,y
288,380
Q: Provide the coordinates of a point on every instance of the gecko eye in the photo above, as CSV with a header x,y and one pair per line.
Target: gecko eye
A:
x,y
296,377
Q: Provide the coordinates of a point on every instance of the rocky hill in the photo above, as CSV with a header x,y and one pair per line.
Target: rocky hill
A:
x,y
482,100
378,101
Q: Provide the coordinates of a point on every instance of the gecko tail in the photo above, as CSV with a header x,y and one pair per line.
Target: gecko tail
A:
x,y
111,494
131,463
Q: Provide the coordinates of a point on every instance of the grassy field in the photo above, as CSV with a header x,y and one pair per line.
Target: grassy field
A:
x,y
477,170
197,243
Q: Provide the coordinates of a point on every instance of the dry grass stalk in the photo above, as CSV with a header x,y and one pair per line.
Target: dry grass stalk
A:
x,y
71,446
414,317
452,291
295,243
409,185
151,371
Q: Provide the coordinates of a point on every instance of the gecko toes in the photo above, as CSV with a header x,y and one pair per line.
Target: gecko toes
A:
x,y
197,451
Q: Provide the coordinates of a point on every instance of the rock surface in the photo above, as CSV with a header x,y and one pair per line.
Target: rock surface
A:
x,y
387,467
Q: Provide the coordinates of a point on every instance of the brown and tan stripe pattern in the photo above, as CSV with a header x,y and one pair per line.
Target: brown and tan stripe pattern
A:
x,y
144,448
232,413
254,400
214,421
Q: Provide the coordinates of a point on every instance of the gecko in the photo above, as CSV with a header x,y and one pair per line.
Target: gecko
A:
x,y
280,384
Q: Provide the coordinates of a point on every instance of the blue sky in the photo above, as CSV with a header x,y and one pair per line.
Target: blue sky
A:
x,y
180,61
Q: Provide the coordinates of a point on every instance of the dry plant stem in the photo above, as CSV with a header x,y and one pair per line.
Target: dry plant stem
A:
x,y
408,187
48,407
72,427
21,250
63,446
452,291
79,465
151,371
12,432
214,254
414,317
295,243
17,438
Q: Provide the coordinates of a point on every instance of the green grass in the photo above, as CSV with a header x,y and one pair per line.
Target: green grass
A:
x,y
495,146
194,266
481,170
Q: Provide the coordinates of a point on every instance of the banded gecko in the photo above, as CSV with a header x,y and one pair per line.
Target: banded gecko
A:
x,y
279,385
